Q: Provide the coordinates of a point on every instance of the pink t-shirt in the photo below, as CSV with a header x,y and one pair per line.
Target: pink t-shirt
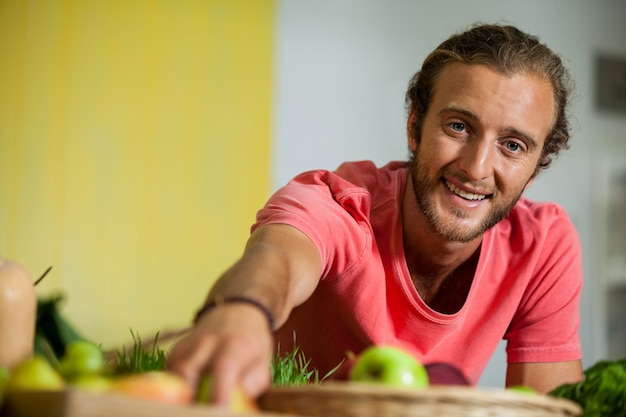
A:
x,y
526,288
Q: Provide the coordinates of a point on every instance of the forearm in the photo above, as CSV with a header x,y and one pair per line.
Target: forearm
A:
x,y
544,377
279,269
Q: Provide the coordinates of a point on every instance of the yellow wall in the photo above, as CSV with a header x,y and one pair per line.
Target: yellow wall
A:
x,y
134,147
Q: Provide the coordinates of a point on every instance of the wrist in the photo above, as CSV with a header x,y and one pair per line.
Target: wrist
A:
x,y
217,301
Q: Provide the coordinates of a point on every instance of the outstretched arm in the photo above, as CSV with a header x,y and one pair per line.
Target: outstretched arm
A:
x,y
279,269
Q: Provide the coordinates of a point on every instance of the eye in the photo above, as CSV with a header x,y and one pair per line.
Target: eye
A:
x,y
457,126
513,146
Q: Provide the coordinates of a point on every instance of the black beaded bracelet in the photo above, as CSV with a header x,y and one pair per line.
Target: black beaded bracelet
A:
x,y
236,299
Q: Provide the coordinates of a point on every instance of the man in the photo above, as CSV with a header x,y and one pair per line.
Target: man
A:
x,y
441,256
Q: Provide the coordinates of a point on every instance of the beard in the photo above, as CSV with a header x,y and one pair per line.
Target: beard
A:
x,y
424,187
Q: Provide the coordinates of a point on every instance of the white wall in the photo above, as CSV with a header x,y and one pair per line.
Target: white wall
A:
x,y
342,70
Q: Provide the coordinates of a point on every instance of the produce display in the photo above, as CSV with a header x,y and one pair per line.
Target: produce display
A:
x,y
41,352
83,367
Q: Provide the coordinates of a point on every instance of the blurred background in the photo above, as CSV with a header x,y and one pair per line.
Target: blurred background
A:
x,y
138,138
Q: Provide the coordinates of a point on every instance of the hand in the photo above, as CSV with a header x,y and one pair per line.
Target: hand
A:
x,y
234,344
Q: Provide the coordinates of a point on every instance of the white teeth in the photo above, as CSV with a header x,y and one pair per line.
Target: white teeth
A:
x,y
461,193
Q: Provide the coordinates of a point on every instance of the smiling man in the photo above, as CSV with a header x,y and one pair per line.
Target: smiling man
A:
x,y
440,255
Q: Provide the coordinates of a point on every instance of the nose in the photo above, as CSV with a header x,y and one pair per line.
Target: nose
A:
x,y
478,158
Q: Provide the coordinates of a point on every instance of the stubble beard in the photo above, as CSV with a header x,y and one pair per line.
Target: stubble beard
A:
x,y
424,188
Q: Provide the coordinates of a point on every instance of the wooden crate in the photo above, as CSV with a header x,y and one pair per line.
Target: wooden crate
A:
x,y
80,403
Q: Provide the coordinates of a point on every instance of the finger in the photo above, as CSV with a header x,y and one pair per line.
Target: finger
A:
x,y
256,379
235,364
226,374
191,357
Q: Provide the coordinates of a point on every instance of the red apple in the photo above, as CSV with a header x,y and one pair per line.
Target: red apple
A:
x,y
159,386
440,373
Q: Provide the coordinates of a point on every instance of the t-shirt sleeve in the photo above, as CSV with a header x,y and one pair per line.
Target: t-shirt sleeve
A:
x,y
329,210
546,325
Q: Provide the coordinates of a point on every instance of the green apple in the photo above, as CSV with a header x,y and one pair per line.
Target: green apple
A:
x,y
35,373
523,389
389,365
81,358
4,379
92,382
239,401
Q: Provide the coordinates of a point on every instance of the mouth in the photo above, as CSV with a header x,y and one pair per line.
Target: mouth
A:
x,y
464,194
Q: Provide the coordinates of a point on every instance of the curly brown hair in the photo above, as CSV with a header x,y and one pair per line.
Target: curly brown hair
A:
x,y
510,51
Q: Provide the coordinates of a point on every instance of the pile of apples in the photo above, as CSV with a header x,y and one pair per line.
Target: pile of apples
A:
x,y
83,367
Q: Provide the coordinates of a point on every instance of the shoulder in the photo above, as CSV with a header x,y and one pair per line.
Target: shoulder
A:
x,y
536,217
356,179
367,172
333,208
526,207
356,174
537,227
343,195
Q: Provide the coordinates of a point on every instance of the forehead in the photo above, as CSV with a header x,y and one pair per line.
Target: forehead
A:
x,y
520,101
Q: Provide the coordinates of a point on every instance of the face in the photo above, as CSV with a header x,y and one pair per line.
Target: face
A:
x,y
479,147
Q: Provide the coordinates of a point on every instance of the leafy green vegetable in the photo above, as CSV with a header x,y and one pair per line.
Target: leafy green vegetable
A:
x,y
53,332
140,358
292,368
602,392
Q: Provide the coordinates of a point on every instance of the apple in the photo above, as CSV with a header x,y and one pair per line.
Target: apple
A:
x,y
81,358
522,389
92,382
389,365
4,379
239,402
158,386
35,373
440,373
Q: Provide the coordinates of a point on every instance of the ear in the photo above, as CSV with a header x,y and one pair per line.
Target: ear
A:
x,y
410,121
